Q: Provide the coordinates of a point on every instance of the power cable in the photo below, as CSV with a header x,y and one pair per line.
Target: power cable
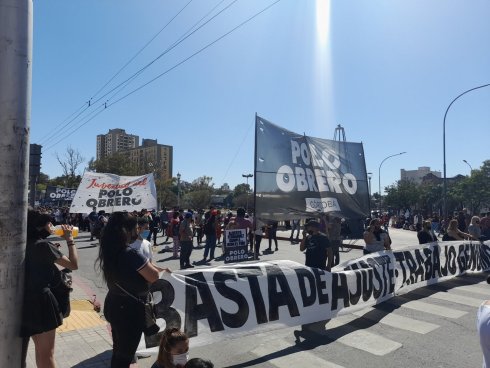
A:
x,y
195,53
237,152
126,82
172,68
167,50
89,103
141,50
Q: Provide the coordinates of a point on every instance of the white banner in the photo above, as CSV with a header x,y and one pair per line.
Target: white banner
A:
x,y
212,304
113,193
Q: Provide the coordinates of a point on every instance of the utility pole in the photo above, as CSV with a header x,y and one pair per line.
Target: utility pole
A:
x,y
15,102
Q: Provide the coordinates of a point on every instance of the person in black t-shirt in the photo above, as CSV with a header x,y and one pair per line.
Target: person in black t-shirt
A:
x,y
426,235
128,274
41,313
319,254
317,247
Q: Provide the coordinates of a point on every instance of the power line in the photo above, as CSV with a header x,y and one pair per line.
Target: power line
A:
x,y
195,53
167,50
88,104
237,152
50,132
141,50
173,67
121,86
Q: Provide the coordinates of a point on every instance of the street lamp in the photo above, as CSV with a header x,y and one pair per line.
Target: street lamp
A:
x,y
467,163
369,178
379,175
444,193
247,176
178,190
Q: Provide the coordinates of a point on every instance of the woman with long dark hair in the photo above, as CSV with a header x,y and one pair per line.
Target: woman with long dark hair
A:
x,y
41,311
128,274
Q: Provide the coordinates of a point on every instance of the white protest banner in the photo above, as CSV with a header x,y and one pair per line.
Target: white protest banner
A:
x,y
113,193
236,245
212,304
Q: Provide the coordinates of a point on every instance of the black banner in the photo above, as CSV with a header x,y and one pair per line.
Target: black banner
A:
x,y
55,194
301,176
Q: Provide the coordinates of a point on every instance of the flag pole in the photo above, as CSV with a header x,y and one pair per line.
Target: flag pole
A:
x,y
255,191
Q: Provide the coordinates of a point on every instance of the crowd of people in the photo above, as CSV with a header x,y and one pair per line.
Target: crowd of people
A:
x,y
125,261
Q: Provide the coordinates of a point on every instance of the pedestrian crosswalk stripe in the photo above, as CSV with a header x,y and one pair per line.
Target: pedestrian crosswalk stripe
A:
x,y
296,358
431,308
369,342
454,298
476,289
397,321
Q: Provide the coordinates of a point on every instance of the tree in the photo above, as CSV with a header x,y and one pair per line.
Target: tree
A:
x,y
403,194
117,163
70,162
473,192
197,199
241,189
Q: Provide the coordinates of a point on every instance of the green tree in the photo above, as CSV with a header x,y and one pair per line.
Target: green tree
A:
x,y
403,194
473,192
241,189
118,164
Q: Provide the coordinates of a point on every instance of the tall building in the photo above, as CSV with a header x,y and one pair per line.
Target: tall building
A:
x,y
115,141
153,157
417,175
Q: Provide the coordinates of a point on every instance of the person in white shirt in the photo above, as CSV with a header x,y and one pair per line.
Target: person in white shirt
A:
x,y
141,244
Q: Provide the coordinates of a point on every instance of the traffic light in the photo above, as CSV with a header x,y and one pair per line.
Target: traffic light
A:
x,y
35,159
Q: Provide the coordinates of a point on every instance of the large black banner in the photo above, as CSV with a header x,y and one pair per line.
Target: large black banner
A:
x,y
301,176
55,194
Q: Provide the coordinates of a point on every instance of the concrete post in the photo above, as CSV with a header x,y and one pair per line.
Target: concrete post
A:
x,y
15,106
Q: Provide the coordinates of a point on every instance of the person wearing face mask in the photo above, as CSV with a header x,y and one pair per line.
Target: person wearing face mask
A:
x,y
319,254
174,349
426,235
128,274
316,245
141,244
41,314
376,238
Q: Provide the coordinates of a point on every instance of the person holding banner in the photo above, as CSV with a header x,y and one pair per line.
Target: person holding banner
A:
x,y
453,233
128,274
426,235
376,238
317,247
318,254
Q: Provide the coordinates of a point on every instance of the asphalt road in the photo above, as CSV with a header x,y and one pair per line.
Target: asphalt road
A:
x,y
429,327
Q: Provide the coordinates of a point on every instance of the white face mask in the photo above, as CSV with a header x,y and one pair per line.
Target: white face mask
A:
x,y
180,359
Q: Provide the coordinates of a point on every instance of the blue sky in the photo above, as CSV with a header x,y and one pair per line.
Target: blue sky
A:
x,y
385,70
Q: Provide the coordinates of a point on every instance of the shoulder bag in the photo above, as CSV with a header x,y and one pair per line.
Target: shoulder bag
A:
x,y
150,322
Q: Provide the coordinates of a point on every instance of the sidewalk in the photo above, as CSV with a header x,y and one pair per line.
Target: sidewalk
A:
x,y
84,339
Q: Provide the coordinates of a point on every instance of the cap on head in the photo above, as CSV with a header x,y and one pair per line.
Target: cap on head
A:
x,y
188,215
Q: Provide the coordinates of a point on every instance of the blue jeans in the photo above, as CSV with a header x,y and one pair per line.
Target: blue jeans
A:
x,y
210,245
